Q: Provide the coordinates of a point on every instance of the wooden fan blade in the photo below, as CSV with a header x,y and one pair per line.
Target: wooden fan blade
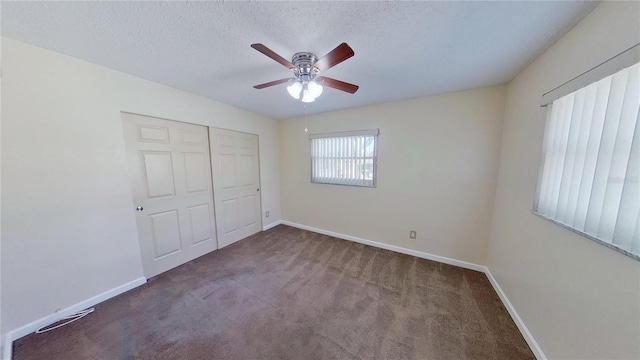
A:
x,y
337,84
335,57
271,83
270,53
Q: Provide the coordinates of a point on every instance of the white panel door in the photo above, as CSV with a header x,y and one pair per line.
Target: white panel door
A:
x,y
236,183
170,173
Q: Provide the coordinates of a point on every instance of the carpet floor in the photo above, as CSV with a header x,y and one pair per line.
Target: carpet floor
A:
x,y
287,293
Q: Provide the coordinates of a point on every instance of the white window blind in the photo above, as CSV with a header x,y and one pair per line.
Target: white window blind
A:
x,y
590,172
346,158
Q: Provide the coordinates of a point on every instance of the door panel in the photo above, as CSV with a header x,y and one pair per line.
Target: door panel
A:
x,y
165,233
149,133
158,173
193,137
245,170
170,172
196,172
236,181
201,226
249,203
225,140
245,143
227,170
230,214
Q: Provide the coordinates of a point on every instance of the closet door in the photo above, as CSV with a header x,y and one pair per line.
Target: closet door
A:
x,y
236,183
169,168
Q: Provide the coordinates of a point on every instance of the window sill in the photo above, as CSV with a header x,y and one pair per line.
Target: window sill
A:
x,y
590,237
352,185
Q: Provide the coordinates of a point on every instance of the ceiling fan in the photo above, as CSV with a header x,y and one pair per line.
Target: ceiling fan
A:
x,y
306,84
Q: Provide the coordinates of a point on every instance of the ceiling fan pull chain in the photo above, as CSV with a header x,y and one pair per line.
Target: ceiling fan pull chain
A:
x,y
306,124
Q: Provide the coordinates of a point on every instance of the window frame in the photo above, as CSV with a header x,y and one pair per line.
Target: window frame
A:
x,y
344,134
627,58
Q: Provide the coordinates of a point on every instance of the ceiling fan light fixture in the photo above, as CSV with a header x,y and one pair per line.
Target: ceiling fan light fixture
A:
x,y
315,89
295,89
307,97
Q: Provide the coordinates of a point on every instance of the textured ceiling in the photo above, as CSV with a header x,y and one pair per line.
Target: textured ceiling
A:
x,y
402,49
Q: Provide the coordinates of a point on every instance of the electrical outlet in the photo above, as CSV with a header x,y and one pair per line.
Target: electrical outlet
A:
x,y
412,234
266,214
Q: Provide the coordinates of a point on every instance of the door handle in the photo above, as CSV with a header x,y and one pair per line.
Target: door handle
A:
x,y
139,208
258,189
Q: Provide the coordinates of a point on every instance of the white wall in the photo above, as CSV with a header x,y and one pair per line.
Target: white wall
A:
x,y
437,168
68,225
68,232
2,339
580,299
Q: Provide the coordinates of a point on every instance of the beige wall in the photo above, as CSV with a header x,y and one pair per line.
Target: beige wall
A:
x,y
68,225
68,232
2,342
580,299
437,168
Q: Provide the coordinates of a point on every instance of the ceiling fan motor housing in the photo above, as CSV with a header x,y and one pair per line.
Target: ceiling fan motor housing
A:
x,y
304,68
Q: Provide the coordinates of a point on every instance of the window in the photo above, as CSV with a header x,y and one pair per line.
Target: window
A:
x,y
589,178
347,158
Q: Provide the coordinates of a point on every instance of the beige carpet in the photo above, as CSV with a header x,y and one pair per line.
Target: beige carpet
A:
x,y
292,294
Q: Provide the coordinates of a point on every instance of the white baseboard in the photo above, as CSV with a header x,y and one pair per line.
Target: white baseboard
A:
x,y
535,348
533,344
420,254
49,319
29,328
272,225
